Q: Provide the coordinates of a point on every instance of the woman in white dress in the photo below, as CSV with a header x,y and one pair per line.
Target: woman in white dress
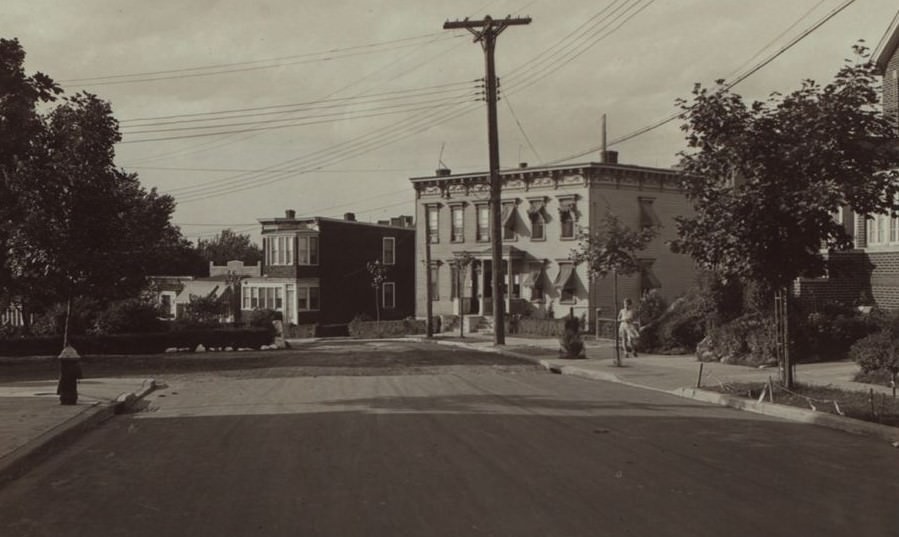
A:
x,y
627,328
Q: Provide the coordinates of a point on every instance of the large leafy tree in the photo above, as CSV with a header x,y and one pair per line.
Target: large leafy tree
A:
x,y
228,246
77,225
766,178
20,124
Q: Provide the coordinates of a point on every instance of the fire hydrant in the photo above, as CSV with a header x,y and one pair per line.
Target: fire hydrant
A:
x,y
69,373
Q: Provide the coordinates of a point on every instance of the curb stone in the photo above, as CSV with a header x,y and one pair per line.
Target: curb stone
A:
x,y
822,419
16,463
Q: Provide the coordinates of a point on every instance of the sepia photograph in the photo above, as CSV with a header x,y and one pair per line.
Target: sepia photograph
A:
x,y
511,268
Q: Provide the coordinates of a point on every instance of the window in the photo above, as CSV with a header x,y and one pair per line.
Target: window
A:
x,y
648,216
457,232
508,220
454,282
388,250
279,250
567,216
483,223
388,295
308,298
307,253
567,221
537,214
433,223
435,282
263,297
566,283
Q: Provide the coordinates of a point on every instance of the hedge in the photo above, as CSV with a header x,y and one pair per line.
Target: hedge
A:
x,y
386,328
538,327
149,343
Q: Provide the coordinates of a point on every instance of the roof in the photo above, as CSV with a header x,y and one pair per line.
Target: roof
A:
x,y
887,46
315,220
512,172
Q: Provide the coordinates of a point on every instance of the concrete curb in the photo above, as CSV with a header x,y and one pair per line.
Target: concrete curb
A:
x,y
822,419
17,463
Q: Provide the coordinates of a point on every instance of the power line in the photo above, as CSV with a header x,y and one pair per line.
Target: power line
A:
x,y
520,127
252,65
727,86
278,108
296,124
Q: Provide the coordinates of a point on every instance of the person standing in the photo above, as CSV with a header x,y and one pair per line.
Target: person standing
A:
x,y
627,328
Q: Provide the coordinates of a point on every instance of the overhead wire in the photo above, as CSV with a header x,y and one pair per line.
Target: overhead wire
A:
x,y
227,189
752,70
252,65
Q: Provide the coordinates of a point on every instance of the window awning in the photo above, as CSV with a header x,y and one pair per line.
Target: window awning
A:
x,y
533,278
508,212
648,277
565,276
648,217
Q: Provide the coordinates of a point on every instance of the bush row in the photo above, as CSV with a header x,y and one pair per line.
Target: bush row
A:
x,y
537,327
147,343
377,329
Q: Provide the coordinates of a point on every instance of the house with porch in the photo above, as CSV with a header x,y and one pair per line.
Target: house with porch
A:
x,y
543,210
314,269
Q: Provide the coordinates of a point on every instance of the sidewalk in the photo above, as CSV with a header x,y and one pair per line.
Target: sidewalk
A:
x,y
33,423
680,375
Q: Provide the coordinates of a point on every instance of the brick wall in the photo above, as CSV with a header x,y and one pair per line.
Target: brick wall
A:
x,y
891,88
856,278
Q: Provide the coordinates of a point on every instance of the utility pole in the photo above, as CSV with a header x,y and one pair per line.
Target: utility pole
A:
x,y
485,32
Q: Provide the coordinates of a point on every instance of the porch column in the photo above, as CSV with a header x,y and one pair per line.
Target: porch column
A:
x,y
481,299
508,296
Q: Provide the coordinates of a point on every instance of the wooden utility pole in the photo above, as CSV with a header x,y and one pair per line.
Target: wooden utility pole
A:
x,y
485,32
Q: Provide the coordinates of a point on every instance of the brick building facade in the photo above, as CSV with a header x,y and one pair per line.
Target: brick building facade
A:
x,y
314,270
542,210
868,274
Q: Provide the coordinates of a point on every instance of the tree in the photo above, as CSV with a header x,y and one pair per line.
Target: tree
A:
x,y
19,125
766,178
79,226
378,273
229,246
612,248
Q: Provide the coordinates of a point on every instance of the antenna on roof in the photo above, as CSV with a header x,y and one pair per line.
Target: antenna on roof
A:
x,y
440,163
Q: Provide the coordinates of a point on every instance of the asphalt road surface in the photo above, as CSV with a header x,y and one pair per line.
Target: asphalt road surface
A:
x,y
355,439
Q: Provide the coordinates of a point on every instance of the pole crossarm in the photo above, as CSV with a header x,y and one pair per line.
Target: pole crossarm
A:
x,y
486,26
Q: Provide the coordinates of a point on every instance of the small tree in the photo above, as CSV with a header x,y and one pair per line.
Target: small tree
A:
x,y
612,248
378,273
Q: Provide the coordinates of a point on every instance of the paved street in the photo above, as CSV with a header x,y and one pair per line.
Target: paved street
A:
x,y
387,439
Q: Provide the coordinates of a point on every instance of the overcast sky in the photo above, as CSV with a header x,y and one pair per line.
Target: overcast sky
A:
x,y
330,106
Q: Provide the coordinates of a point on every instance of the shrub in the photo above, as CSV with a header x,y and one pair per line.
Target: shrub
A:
x,y
678,330
379,329
746,340
128,316
828,332
264,318
877,354
205,310
84,312
570,340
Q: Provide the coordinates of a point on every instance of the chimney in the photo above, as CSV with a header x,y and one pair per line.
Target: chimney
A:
x,y
290,214
606,156
443,172
609,157
349,217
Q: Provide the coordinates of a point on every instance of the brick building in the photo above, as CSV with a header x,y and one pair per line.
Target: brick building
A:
x,y
314,269
542,210
868,274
